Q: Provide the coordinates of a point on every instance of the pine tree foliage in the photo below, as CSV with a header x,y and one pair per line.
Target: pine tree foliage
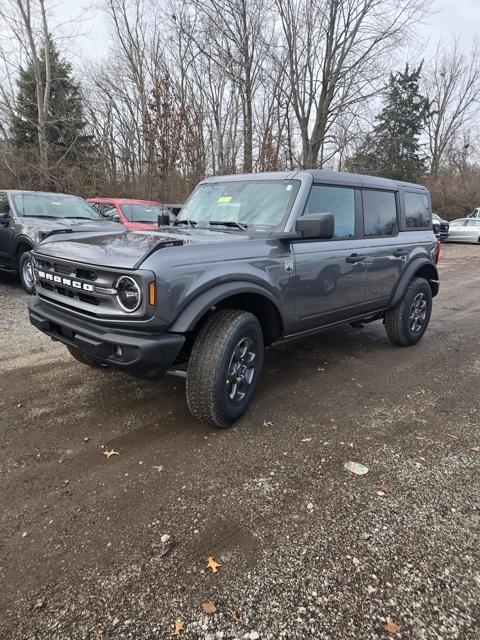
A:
x,y
393,148
66,126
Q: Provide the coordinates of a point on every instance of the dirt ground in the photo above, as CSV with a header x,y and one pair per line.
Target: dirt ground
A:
x,y
307,549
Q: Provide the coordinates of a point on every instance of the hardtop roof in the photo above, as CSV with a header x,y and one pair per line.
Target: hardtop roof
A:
x,y
320,175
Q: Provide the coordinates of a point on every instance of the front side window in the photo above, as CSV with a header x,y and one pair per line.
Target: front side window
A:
x,y
458,223
417,210
255,203
379,212
4,206
41,205
337,200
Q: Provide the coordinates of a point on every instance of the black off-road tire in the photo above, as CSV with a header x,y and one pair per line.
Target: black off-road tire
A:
x,y
208,381
398,321
23,259
83,358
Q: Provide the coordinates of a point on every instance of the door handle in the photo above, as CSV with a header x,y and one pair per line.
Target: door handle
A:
x,y
355,257
400,252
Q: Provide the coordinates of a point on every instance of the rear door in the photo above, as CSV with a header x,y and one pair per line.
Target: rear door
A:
x,y
386,255
473,230
330,274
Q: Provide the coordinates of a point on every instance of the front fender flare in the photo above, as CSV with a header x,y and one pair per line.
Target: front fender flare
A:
x,y
431,274
197,308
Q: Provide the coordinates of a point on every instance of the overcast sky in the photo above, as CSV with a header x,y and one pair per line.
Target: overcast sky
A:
x,y
450,17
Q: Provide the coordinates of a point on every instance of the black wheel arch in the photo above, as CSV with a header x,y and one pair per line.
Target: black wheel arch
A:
x,y
422,268
21,245
245,296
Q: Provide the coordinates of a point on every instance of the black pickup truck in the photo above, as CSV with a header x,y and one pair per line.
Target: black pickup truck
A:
x,y
252,259
27,217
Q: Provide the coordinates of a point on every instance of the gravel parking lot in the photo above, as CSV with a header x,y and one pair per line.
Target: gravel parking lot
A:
x,y
306,549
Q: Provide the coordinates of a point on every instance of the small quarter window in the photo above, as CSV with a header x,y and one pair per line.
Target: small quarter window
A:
x,y
337,200
417,210
379,212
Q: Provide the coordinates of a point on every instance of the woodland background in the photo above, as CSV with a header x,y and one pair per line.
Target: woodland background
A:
x,y
189,88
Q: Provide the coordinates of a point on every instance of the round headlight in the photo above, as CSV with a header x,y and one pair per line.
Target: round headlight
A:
x,y
129,294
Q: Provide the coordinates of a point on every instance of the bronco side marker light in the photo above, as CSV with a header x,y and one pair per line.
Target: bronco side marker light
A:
x,y
152,293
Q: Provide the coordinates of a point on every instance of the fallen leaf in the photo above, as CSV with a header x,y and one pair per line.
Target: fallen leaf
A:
x,y
157,468
370,589
267,423
391,626
110,453
209,608
356,467
213,564
306,440
476,449
384,487
356,562
179,628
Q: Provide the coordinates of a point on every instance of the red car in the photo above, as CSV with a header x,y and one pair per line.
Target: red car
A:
x,y
139,215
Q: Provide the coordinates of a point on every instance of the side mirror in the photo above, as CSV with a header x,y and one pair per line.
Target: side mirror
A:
x,y
318,226
5,217
163,219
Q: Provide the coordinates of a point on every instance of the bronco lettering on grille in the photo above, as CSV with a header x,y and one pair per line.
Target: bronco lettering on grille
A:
x,y
66,282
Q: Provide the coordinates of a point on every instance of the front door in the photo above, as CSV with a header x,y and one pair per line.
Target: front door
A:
x,y
6,232
329,274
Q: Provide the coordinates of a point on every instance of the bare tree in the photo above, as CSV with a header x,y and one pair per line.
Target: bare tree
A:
x,y
336,53
452,83
27,21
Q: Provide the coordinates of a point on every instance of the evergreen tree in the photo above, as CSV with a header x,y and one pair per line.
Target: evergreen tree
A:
x,y
66,136
393,149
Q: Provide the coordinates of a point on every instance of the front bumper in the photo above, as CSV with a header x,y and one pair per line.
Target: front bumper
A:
x,y
143,354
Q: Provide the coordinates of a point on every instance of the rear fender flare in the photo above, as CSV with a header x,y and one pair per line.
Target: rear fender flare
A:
x,y
427,270
200,305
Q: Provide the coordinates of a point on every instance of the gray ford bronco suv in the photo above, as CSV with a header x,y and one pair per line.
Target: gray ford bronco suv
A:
x,y
251,260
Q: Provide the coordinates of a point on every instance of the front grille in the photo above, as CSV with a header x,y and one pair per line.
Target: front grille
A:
x,y
83,288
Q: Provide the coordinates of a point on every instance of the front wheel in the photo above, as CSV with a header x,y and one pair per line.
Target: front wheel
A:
x,y
224,367
406,323
25,271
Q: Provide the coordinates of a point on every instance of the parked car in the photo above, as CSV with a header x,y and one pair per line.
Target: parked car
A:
x,y
440,227
464,230
139,215
26,217
252,260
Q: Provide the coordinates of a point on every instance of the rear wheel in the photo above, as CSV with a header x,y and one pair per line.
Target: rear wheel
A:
x,y
84,358
25,271
224,367
406,323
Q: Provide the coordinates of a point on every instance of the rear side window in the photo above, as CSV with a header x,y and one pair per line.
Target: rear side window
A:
x,y
379,212
417,210
337,200
473,223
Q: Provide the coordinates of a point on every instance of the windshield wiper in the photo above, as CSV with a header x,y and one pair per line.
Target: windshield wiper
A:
x,y
229,223
190,223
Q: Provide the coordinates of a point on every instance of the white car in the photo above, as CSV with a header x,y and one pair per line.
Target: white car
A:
x,y
464,230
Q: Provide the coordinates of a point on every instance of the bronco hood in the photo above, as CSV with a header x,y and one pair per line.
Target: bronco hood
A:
x,y
126,249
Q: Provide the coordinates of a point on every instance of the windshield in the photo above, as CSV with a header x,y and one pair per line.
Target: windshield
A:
x,y
142,212
259,203
41,205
